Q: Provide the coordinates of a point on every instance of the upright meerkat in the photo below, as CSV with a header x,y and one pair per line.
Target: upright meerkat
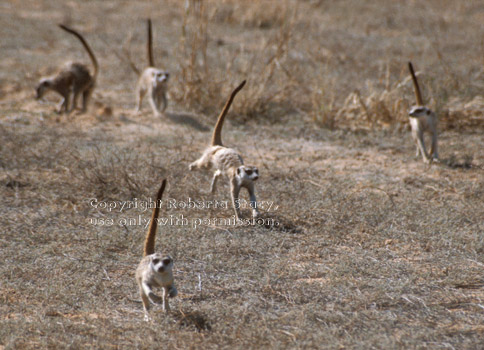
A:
x,y
153,81
155,269
422,119
73,79
229,162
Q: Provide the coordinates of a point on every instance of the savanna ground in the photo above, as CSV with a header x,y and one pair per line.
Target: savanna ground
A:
x,y
373,248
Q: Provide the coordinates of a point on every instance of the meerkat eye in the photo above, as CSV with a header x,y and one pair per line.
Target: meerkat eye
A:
x,y
166,261
156,261
428,112
248,172
238,171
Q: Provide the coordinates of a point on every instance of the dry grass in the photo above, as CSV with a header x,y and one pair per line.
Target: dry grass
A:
x,y
373,249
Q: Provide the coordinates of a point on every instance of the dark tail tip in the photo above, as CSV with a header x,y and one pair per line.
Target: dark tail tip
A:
x,y
410,66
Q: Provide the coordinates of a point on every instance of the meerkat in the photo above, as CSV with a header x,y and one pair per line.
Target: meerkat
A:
x,y
73,79
229,162
422,119
155,269
153,81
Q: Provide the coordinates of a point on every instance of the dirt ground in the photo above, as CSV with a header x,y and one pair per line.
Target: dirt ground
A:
x,y
363,246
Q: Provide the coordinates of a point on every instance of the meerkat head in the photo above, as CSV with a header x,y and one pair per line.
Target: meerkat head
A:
x,y
160,77
247,173
161,263
419,111
44,85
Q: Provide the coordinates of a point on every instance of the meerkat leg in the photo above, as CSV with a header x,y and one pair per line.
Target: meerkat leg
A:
x,y
418,136
433,148
153,103
216,175
235,190
166,303
86,96
75,97
149,293
421,145
145,300
64,104
253,201
164,101
139,96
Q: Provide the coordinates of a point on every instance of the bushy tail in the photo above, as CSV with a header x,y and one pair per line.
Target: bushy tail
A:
x,y
418,95
149,247
86,46
217,131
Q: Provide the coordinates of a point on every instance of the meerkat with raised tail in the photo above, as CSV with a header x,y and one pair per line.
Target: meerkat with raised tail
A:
x,y
422,119
73,80
153,81
229,162
155,269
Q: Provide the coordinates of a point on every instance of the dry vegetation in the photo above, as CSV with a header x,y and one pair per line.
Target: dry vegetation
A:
x,y
373,250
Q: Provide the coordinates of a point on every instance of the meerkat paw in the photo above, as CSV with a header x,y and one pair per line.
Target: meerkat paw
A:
x,y
172,292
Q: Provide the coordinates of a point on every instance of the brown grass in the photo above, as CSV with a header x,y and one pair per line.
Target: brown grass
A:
x,y
373,249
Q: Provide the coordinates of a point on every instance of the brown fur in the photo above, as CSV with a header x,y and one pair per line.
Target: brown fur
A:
x,y
155,269
73,79
228,161
152,81
422,120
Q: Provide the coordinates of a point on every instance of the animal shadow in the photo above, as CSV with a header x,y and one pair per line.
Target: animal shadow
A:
x,y
187,119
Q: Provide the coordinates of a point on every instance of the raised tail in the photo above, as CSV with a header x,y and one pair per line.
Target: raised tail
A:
x,y
151,61
86,46
418,95
217,131
149,247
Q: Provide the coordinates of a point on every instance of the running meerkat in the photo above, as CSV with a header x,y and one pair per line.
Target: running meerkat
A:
x,y
229,162
153,81
73,79
155,269
422,119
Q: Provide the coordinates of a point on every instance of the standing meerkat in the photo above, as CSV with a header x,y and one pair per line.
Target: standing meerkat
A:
x,y
73,79
422,119
153,81
155,269
229,162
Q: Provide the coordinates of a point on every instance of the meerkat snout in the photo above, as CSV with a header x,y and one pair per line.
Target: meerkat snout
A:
x,y
248,173
162,76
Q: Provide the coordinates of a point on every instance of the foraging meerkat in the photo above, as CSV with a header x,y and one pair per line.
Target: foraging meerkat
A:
x,y
229,162
73,79
155,269
422,119
153,81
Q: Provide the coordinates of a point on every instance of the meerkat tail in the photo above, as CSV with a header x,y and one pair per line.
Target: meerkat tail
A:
x,y
149,247
86,46
217,131
418,95
151,61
